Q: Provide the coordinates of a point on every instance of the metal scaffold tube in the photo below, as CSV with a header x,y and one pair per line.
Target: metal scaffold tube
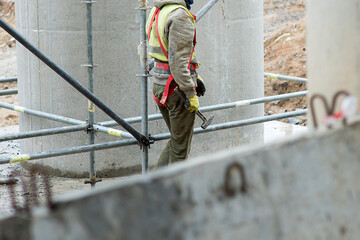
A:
x,y
43,132
128,142
220,106
8,92
5,80
254,101
240,123
67,151
144,141
110,131
205,9
283,77
144,83
90,70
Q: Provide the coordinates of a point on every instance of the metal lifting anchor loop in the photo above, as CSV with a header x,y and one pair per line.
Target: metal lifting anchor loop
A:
x,y
14,203
32,199
327,109
330,110
229,188
45,175
335,98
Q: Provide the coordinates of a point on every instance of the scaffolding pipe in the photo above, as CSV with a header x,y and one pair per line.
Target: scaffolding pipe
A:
x,y
219,106
253,101
144,83
138,136
5,80
151,117
128,142
43,132
203,109
90,70
283,77
110,131
267,75
67,151
239,123
8,92
205,9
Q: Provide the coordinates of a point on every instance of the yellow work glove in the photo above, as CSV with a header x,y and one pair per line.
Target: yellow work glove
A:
x,y
194,104
200,89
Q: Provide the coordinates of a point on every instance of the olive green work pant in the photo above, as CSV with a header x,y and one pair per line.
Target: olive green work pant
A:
x,y
180,123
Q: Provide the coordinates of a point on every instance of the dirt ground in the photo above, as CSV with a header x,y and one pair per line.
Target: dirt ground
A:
x,y
284,53
8,68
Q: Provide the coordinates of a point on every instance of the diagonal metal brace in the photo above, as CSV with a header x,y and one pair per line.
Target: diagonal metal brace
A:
x,y
144,141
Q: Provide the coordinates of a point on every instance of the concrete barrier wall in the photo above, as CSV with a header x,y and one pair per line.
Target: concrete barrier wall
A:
x,y
306,188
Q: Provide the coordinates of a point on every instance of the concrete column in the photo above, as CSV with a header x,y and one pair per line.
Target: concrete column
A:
x,y
230,49
58,28
232,70
333,48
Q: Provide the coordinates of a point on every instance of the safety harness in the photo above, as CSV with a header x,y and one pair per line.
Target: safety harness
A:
x,y
170,84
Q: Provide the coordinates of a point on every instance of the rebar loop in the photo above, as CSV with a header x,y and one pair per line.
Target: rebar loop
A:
x,y
335,98
330,110
33,185
48,191
27,201
31,198
229,187
11,188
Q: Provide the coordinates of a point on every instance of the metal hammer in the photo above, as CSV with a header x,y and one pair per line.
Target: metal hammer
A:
x,y
206,122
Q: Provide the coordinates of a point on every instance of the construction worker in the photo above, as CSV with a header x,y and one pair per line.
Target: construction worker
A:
x,y
172,38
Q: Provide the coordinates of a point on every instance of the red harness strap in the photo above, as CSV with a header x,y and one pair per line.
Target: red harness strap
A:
x,y
165,66
169,88
152,21
158,35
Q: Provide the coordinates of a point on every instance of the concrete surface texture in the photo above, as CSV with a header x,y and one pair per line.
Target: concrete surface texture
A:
x,y
333,51
230,48
305,188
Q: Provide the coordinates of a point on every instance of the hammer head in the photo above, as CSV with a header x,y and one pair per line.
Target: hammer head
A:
x,y
207,122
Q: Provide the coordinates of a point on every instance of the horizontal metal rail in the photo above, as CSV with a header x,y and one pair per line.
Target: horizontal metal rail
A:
x,y
43,132
219,106
267,75
283,77
240,123
128,142
5,80
101,126
254,101
8,92
84,91
67,120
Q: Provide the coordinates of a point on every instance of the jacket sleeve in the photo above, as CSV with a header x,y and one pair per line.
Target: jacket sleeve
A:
x,y
179,31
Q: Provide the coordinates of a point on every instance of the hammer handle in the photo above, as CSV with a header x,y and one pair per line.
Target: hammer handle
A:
x,y
187,102
201,116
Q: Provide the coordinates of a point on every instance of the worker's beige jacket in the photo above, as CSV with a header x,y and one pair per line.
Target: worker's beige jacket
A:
x,y
179,34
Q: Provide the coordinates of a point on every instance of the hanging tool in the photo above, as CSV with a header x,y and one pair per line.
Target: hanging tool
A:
x,y
206,122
